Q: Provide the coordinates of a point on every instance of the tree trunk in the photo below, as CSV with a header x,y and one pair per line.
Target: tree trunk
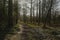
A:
x,y
31,12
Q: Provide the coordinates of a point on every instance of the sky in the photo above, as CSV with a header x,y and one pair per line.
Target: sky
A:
x,y
26,1
58,5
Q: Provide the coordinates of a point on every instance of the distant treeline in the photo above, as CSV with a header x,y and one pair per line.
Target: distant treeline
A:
x,y
40,12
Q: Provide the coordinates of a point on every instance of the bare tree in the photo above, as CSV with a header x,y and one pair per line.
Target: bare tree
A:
x,y
37,14
48,16
31,12
39,18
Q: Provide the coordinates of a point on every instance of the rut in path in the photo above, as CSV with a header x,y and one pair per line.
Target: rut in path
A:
x,y
24,35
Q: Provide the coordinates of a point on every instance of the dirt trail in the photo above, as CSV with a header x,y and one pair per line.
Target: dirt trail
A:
x,y
29,33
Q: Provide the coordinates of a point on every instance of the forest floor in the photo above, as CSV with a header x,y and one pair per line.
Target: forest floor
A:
x,y
36,33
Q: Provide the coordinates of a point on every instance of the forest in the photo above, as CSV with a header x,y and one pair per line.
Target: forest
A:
x,y
29,19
